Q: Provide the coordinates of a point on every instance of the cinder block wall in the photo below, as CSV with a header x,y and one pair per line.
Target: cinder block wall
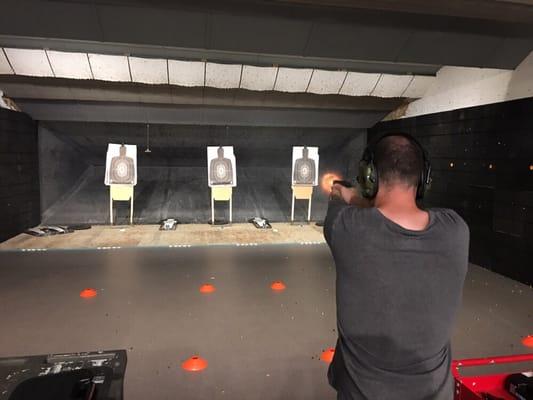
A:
x,y
19,174
482,160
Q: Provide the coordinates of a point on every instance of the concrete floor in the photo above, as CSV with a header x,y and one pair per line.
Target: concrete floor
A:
x,y
259,344
184,235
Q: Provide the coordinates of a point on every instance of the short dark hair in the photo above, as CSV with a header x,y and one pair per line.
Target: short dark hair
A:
x,y
398,160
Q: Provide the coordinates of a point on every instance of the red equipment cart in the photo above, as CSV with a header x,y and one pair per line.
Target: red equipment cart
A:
x,y
473,387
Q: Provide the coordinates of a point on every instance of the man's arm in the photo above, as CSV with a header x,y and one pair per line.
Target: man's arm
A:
x,y
341,197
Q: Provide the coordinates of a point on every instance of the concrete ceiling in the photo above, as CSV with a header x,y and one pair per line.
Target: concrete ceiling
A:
x,y
48,99
407,37
284,33
493,10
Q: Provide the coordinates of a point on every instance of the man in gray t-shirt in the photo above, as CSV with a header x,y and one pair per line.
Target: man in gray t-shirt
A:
x,y
400,274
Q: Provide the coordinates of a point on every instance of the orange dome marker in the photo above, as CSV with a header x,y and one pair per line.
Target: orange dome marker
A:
x,y
88,293
327,355
207,288
528,341
278,285
194,364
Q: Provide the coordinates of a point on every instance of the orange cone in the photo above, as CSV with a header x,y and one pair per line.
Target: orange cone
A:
x,y
88,293
278,285
194,364
327,355
207,288
528,341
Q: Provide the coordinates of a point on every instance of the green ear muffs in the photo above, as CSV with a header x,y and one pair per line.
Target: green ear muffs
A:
x,y
368,174
367,178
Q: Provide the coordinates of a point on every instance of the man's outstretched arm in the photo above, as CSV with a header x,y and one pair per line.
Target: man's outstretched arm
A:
x,y
340,198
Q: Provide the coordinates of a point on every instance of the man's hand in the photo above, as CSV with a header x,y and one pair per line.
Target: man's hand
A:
x,y
349,196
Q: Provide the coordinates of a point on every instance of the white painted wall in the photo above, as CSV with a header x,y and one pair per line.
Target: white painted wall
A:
x,y
460,87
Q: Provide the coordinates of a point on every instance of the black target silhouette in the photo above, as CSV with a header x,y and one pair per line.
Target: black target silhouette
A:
x,y
221,170
122,168
304,169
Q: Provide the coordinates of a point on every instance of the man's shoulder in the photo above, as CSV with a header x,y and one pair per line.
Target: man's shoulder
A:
x,y
450,219
353,217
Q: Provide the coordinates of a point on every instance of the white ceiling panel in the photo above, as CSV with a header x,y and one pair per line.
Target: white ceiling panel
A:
x,y
29,62
392,85
293,79
70,65
149,70
419,86
258,78
186,73
5,68
110,68
223,76
359,84
326,82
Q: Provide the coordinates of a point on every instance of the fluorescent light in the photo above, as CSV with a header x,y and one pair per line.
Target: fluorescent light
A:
x,y
293,79
359,84
148,70
110,68
70,65
419,86
326,82
392,85
223,76
5,68
258,78
186,73
29,62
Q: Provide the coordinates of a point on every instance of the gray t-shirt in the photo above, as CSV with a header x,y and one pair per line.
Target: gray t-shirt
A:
x,y
398,292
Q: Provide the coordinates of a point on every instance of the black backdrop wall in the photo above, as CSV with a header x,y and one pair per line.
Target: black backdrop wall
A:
x,y
172,178
19,173
482,160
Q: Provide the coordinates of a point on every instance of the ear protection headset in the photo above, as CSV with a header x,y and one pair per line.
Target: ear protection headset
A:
x,y
368,178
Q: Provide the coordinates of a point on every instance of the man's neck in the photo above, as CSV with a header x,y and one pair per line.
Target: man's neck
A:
x,y
396,198
398,203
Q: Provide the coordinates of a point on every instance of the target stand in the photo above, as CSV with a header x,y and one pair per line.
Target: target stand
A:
x,y
302,192
120,192
221,193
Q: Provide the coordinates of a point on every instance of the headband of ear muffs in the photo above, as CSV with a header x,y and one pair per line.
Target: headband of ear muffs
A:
x,y
368,178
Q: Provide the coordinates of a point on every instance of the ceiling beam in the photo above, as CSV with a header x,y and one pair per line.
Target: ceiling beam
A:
x,y
29,88
197,115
